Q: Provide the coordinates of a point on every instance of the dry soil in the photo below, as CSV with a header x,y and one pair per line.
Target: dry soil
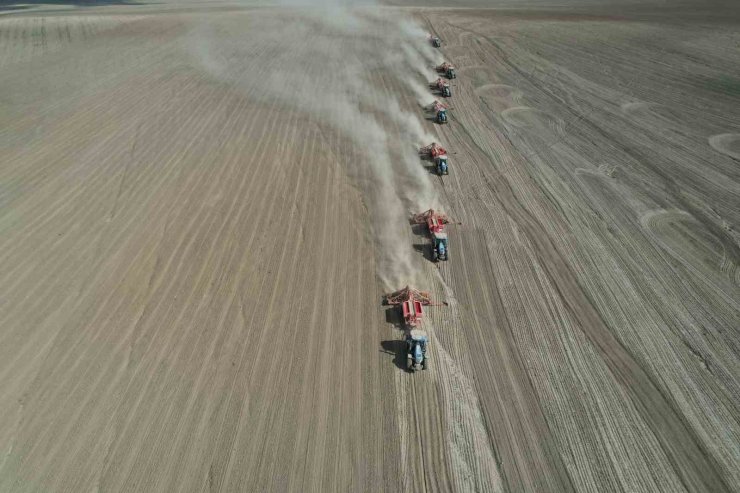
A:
x,y
191,264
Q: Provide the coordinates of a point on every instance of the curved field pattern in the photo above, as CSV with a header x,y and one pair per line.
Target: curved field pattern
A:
x,y
500,97
532,119
534,124
202,204
728,144
689,242
477,75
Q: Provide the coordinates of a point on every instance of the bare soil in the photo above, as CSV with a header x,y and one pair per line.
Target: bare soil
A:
x,y
190,281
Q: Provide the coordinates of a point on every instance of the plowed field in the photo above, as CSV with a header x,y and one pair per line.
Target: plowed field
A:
x,y
202,205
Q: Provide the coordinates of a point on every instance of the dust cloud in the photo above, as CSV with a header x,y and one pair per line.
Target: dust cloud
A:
x,y
333,79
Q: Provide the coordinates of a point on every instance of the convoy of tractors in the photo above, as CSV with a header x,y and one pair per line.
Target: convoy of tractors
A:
x,y
412,301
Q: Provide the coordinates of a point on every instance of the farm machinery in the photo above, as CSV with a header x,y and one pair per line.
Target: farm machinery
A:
x,y
411,301
416,350
437,154
417,340
436,42
447,69
435,222
442,87
440,111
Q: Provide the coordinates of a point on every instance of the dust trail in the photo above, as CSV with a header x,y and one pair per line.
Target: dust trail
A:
x,y
421,67
330,79
417,39
423,96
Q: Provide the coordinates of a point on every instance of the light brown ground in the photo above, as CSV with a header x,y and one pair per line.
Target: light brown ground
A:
x,y
189,288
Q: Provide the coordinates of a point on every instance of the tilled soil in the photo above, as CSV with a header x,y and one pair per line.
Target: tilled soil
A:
x,y
192,271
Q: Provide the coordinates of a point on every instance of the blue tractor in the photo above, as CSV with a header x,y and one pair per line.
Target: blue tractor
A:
x,y
442,116
440,247
416,350
446,68
442,165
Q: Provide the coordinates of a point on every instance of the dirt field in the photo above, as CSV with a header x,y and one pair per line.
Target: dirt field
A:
x,y
203,204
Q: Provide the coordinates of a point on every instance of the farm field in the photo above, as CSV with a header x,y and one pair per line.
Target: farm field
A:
x,y
203,204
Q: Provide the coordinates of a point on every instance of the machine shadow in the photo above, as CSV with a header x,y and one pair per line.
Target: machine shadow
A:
x,y
425,249
397,348
419,230
431,169
394,317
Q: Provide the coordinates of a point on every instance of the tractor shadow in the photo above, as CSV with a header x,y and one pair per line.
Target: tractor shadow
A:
x,y
428,164
426,250
432,170
439,95
397,348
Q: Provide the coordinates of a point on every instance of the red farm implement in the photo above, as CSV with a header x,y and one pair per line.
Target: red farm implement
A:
x,y
412,302
432,151
434,220
437,106
447,69
439,84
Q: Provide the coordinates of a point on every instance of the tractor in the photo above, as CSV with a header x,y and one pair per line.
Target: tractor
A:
x,y
416,350
448,69
440,111
440,248
442,87
438,155
411,300
435,222
441,165
442,116
436,42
